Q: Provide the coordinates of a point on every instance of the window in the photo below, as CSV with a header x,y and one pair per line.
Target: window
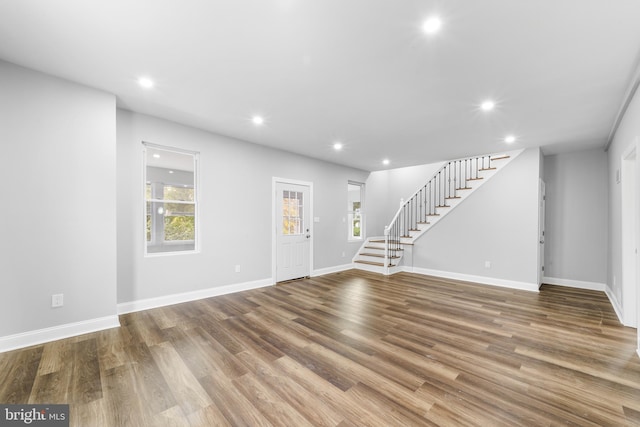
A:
x,y
171,221
354,210
292,209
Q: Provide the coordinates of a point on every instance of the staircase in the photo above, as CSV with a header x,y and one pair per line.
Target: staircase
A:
x,y
447,189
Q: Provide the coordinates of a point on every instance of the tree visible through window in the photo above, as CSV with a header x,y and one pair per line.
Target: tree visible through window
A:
x,y
292,206
354,210
170,200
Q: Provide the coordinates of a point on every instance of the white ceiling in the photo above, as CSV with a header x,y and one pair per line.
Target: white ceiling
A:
x,y
358,71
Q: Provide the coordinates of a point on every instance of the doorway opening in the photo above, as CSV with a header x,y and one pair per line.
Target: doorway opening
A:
x,y
629,193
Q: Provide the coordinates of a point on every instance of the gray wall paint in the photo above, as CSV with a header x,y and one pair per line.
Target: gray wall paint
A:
x,y
497,223
235,210
576,216
628,133
58,172
384,190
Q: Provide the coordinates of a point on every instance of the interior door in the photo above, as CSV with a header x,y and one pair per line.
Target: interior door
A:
x,y
293,231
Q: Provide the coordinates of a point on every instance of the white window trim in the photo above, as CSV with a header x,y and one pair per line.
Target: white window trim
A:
x,y
351,238
196,183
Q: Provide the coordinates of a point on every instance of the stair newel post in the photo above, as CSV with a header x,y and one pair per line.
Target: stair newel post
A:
x,y
386,250
401,218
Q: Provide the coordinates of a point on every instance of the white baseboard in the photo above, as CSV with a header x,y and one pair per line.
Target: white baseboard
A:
x,y
614,303
525,286
329,270
593,286
149,303
40,336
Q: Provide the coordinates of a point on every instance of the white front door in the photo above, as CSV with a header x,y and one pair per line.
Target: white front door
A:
x,y
293,231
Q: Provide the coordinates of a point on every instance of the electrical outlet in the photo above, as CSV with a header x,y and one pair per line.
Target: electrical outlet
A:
x,y
487,264
238,268
57,300
343,254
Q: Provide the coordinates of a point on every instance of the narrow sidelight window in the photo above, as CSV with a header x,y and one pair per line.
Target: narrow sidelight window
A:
x,y
354,210
171,200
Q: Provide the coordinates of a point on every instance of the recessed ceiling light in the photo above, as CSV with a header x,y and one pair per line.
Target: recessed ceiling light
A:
x,y
385,162
156,156
510,139
432,25
487,105
257,120
145,82
170,171
337,146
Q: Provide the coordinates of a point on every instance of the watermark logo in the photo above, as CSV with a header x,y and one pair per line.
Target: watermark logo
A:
x,y
34,415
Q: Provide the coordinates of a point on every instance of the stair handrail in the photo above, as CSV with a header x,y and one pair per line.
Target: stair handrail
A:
x,y
444,165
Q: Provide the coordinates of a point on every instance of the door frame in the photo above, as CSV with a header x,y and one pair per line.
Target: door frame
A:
x,y
629,222
542,205
274,217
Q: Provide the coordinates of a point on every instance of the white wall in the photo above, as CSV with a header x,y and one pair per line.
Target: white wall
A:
x,y
497,223
576,217
627,135
57,170
235,210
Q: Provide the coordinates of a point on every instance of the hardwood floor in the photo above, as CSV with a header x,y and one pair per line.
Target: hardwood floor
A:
x,y
347,349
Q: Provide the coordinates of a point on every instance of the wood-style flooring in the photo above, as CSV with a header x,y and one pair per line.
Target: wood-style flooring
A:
x,y
347,349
